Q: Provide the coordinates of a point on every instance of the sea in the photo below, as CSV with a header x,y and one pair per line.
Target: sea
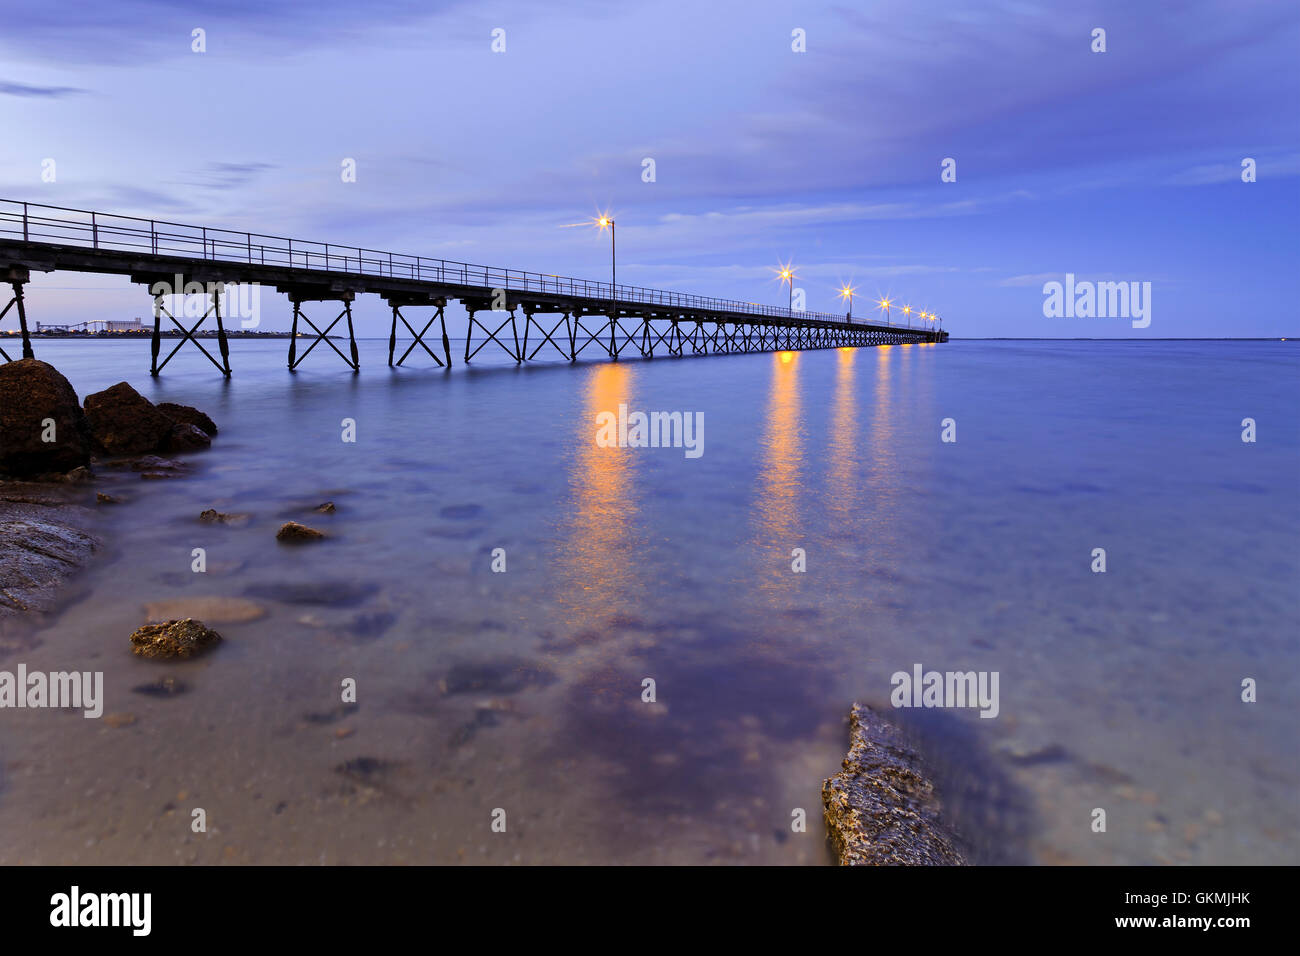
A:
x,y
520,645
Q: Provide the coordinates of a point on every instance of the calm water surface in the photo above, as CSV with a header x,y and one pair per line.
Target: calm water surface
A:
x,y
522,691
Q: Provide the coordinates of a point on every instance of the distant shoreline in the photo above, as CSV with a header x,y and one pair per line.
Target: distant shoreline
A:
x,y
173,334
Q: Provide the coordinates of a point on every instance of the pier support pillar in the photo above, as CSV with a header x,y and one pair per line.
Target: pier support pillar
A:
x,y
547,336
438,316
492,334
297,298
17,278
160,292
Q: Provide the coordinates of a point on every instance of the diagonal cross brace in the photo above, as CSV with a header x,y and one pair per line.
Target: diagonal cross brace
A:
x,y
354,362
187,335
438,316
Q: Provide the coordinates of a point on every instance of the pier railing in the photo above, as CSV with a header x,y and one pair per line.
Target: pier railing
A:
x,y
40,223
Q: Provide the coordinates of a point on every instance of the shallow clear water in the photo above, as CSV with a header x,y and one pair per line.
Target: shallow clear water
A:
x,y
522,690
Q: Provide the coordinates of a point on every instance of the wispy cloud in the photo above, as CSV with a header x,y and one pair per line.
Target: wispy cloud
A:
x,y
25,89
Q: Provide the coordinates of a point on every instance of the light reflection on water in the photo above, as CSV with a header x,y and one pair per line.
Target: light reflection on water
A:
x,y
634,563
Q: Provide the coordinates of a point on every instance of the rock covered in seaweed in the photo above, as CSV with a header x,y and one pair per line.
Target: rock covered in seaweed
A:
x,y
173,639
881,809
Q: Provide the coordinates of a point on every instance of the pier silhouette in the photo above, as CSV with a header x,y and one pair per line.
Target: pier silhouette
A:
x,y
568,315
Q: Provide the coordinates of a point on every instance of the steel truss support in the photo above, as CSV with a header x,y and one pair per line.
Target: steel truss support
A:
x,y
617,348
438,316
17,277
530,323
187,335
665,338
514,352
322,336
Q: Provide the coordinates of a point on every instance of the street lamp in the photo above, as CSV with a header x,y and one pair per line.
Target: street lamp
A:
x,y
884,304
847,293
602,222
786,274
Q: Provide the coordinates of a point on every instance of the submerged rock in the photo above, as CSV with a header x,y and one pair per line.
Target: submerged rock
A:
x,y
213,516
44,540
171,639
37,403
189,415
505,676
882,808
222,610
292,532
326,509
124,422
329,592
162,687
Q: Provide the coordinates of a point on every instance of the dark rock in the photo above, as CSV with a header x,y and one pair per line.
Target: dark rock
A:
x,y
81,475
172,639
124,422
154,464
213,516
105,499
186,437
162,687
291,532
32,392
326,509
882,809
188,415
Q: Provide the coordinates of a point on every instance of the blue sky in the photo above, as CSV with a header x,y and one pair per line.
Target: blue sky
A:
x,y
1123,165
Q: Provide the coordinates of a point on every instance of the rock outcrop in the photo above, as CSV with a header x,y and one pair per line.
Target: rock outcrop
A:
x,y
45,538
124,422
882,808
186,437
43,430
189,415
291,532
173,639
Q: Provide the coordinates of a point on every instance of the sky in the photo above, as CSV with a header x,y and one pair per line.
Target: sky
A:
x,y
1115,166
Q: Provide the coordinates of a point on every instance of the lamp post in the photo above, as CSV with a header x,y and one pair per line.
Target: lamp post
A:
x,y
604,221
787,275
847,293
884,304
